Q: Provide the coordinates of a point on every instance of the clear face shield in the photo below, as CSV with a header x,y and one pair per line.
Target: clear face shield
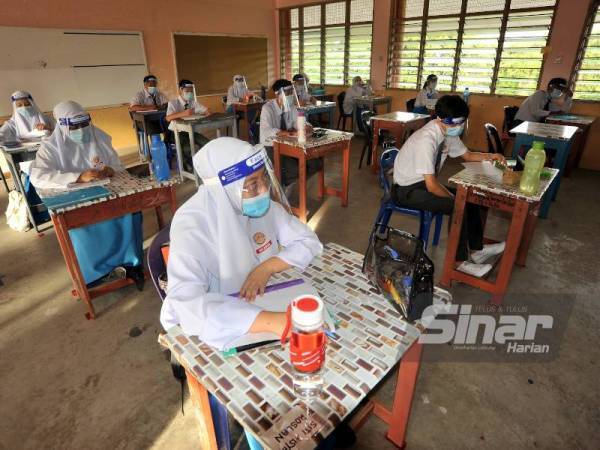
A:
x,y
252,186
188,92
78,128
289,98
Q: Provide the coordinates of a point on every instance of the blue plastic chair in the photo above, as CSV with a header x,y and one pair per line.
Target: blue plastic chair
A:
x,y
388,206
156,267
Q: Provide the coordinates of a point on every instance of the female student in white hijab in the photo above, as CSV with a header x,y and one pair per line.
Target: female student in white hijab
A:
x,y
358,89
79,152
27,121
237,92
428,92
300,81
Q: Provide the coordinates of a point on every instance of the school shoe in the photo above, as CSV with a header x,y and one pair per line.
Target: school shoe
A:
x,y
136,273
477,270
488,250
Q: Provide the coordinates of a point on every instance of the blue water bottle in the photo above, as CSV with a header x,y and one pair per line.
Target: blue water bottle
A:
x,y
160,165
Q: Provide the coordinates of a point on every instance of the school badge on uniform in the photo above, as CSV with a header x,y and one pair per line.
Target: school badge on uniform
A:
x,y
260,241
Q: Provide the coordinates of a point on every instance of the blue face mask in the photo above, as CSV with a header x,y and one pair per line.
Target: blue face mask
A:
x,y
25,111
151,90
189,96
80,135
455,131
256,206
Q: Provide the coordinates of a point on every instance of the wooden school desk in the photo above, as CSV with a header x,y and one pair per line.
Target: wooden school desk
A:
x,y
321,107
557,137
584,124
141,121
246,109
487,191
314,148
256,386
369,102
26,151
398,123
324,97
199,123
128,194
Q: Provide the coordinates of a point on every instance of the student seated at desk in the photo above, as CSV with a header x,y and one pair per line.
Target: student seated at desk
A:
x,y
427,93
357,90
237,92
79,152
301,85
278,117
27,121
417,165
556,99
186,105
149,98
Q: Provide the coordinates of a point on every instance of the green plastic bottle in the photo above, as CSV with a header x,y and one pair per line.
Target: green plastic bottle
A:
x,y
534,163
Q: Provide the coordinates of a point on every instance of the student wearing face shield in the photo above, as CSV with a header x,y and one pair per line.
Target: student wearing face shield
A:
x,y
237,92
417,166
149,98
428,92
358,89
27,121
279,118
301,85
186,105
79,152
556,99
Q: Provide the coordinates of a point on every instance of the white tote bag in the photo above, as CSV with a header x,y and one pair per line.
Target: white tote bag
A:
x,y
16,213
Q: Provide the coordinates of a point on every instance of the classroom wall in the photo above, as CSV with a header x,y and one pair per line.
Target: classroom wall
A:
x,y
157,20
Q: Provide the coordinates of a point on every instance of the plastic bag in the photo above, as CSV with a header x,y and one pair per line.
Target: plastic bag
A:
x,y
16,213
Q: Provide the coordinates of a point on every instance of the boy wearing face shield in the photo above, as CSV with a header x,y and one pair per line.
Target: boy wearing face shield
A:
x,y
27,121
301,86
279,118
186,105
428,92
149,98
79,152
556,99
417,165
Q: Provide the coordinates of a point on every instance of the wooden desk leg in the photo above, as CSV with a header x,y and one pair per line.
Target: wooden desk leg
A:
x,y
530,223
302,187
374,144
277,161
199,396
160,217
454,236
173,202
68,252
321,181
404,393
515,231
345,173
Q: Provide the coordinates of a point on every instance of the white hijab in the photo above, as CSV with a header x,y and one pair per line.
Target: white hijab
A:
x,y
25,125
218,208
240,89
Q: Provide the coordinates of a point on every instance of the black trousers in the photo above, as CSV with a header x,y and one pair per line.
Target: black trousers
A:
x,y
289,167
417,196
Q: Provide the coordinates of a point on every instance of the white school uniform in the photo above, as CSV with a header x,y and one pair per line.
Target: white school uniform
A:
x,y
214,248
353,92
145,98
424,95
418,155
270,121
19,127
179,104
533,107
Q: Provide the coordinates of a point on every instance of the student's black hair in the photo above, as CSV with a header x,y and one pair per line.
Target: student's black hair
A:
x,y
149,78
297,77
183,82
559,82
430,77
281,83
451,107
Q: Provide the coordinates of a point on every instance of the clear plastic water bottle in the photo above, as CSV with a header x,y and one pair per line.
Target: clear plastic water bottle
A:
x,y
160,165
307,346
534,163
466,95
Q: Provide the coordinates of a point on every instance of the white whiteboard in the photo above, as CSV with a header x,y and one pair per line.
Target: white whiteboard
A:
x,y
94,68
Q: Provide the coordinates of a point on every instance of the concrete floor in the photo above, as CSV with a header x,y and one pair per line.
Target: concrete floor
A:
x,y
69,383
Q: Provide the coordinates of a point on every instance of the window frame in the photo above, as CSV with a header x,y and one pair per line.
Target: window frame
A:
x,y
396,21
594,8
286,30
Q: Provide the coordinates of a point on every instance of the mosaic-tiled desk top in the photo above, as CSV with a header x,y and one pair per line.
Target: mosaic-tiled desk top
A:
x,y
490,184
330,137
318,106
256,386
374,99
121,185
546,130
